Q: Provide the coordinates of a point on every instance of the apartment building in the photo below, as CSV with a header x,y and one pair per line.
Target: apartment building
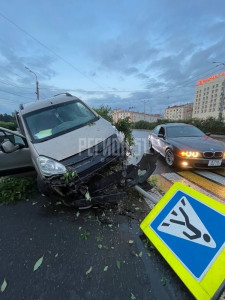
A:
x,y
179,112
209,99
134,116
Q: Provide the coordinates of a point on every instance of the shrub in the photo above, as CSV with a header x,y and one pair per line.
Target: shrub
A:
x,y
13,189
105,112
125,126
8,125
210,124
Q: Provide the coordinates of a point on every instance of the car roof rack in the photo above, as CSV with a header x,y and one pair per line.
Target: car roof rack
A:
x,y
67,94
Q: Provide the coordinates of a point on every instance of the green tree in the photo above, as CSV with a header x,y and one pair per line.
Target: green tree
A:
x,y
105,112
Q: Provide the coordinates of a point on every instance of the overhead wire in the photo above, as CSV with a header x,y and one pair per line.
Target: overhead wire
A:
x,y
52,51
189,81
14,94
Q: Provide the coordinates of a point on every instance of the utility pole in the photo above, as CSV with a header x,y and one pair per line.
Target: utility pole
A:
x,y
37,87
144,101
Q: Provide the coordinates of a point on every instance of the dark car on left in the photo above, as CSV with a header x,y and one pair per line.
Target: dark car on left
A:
x,y
187,146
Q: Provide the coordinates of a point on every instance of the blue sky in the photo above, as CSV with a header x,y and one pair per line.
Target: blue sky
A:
x,y
114,53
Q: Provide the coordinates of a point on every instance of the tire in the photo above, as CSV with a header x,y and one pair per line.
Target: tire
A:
x,y
169,158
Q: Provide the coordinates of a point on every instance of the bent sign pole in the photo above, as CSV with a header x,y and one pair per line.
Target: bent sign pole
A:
x,y
187,228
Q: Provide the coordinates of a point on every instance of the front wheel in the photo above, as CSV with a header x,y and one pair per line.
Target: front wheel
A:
x,y
169,157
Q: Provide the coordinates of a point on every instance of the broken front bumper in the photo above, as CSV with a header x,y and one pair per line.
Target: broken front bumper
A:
x,y
107,184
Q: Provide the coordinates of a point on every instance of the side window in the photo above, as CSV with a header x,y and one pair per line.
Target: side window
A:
x,y
19,140
156,130
6,136
15,139
162,131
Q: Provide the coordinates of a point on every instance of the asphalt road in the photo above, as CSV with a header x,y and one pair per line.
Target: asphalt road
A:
x,y
94,254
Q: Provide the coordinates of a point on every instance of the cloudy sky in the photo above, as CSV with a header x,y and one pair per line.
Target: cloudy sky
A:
x,y
108,52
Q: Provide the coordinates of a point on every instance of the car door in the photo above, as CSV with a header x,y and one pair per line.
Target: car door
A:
x,y
162,142
154,137
16,162
159,138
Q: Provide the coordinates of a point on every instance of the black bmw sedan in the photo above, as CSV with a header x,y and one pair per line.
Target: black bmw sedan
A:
x,y
187,146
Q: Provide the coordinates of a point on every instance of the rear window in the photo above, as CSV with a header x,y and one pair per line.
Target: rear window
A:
x,y
49,122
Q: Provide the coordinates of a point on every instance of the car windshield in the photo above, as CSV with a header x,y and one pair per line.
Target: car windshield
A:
x,y
55,120
183,131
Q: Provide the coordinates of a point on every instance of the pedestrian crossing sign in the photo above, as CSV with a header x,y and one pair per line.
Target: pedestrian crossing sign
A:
x,y
188,229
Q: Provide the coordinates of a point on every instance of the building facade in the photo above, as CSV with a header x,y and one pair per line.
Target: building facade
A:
x,y
134,116
209,100
179,112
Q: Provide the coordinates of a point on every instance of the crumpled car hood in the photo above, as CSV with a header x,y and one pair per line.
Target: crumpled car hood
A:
x,y
74,142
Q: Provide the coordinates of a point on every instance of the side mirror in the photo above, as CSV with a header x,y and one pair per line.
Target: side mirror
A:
x,y
9,147
208,133
160,135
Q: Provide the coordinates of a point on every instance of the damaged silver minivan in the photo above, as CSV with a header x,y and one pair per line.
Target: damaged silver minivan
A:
x,y
69,145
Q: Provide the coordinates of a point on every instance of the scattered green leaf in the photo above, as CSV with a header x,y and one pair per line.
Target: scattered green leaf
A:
x,y
106,268
118,264
140,254
163,280
99,238
100,246
85,235
87,196
89,271
132,297
77,214
38,263
4,285
131,241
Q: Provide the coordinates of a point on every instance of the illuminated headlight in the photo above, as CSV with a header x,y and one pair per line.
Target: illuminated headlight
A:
x,y
49,167
223,154
189,154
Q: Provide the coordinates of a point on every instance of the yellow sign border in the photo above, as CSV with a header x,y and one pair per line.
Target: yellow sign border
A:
x,y
213,279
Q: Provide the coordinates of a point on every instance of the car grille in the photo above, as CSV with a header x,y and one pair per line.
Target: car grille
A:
x,y
210,154
94,158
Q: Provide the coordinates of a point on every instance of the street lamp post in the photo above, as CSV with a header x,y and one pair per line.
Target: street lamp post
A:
x,y
37,88
144,101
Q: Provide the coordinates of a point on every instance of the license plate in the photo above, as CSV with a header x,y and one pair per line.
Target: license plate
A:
x,y
215,163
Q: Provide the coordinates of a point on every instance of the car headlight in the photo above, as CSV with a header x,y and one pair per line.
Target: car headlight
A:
x,y
189,154
49,166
